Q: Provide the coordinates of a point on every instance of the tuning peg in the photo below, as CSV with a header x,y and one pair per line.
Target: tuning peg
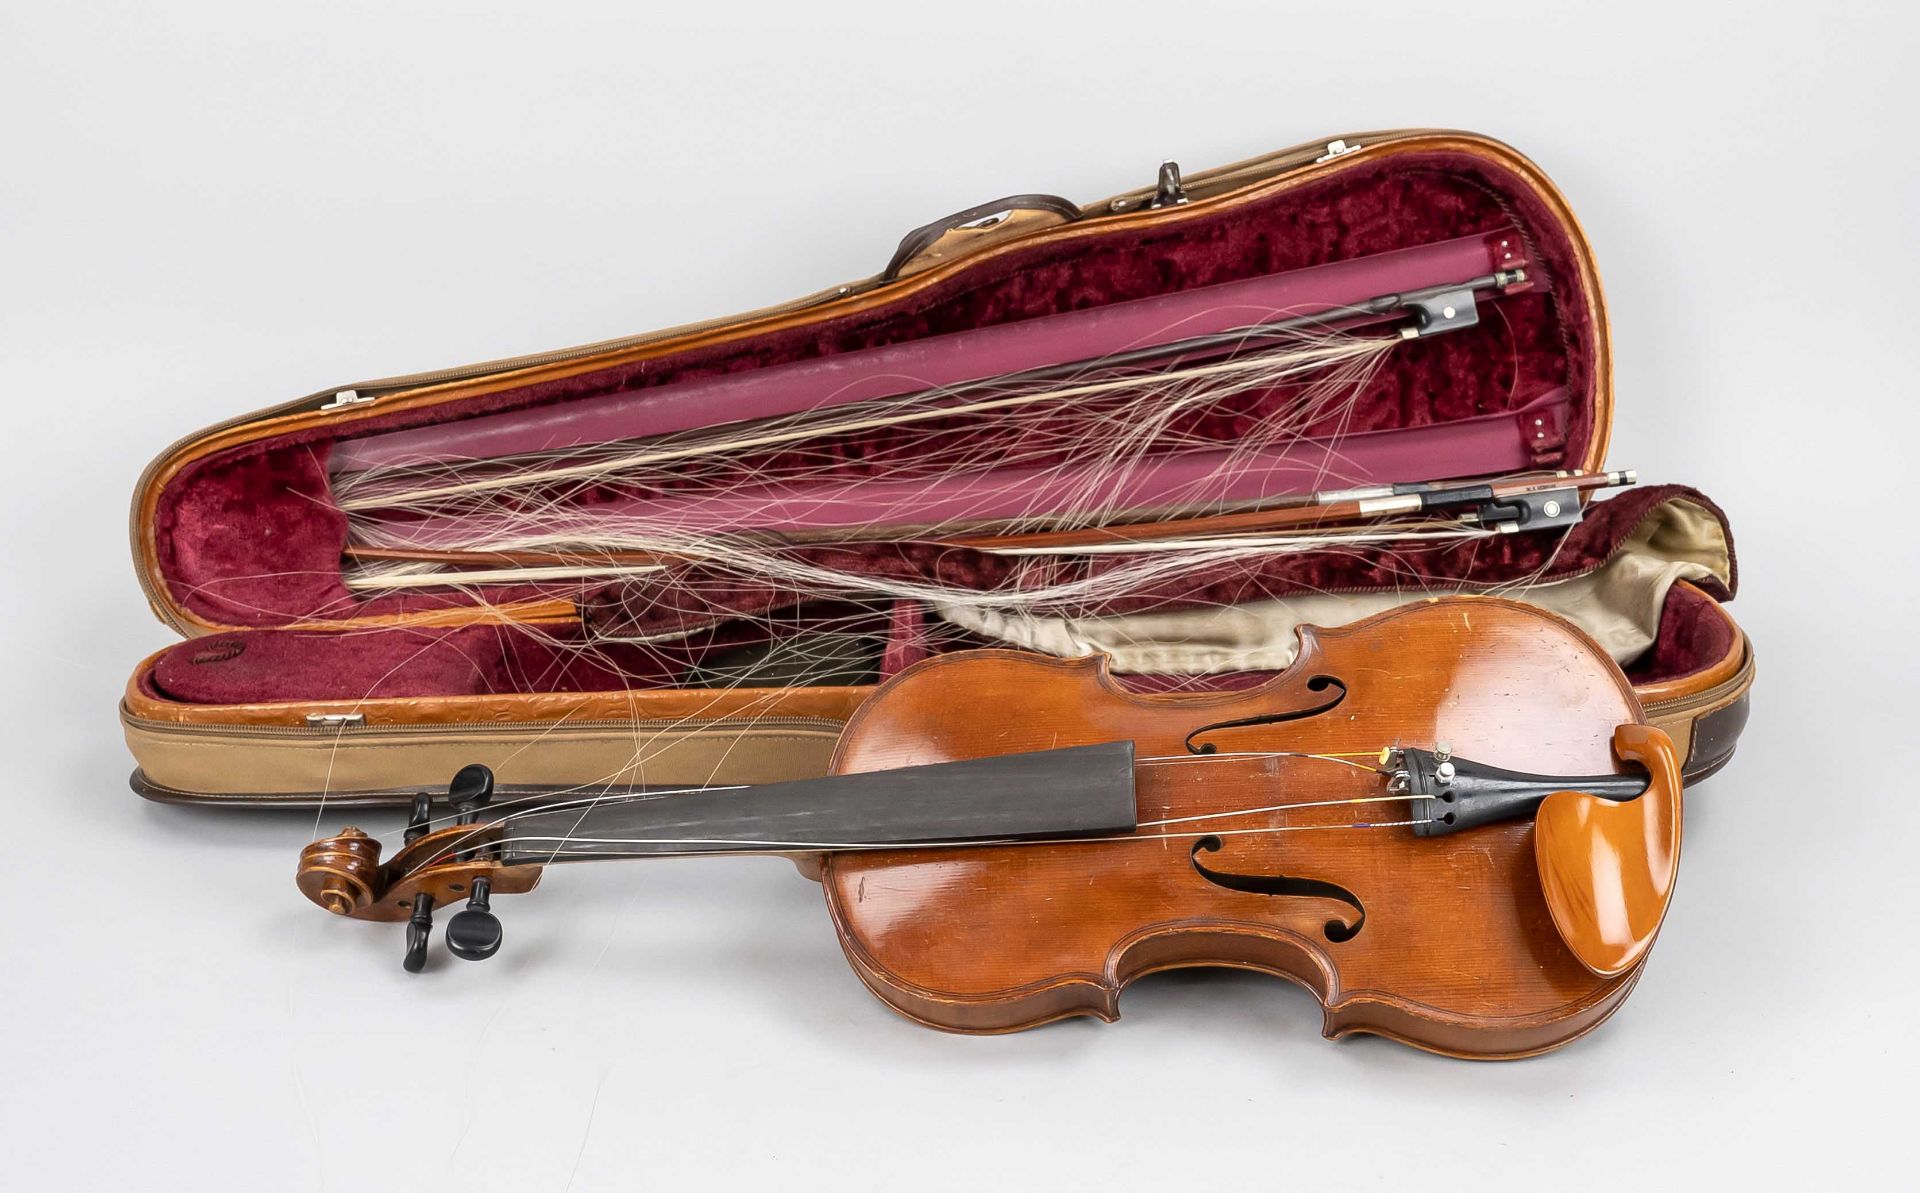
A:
x,y
471,790
474,934
419,929
420,816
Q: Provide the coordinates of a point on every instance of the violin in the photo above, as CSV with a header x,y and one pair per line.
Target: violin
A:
x,y
1450,822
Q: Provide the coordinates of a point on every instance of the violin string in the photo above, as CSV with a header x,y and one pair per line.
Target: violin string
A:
x,y
751,847
542,801
457,846
1344,758
1319,803
1227,814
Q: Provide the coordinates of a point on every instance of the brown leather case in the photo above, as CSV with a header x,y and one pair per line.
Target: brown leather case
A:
x,y
269,702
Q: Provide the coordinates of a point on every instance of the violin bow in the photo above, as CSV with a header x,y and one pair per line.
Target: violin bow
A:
x,y
1496,505
1500,505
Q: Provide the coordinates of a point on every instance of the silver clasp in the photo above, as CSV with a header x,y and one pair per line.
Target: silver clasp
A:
x,y
1167,189
346,398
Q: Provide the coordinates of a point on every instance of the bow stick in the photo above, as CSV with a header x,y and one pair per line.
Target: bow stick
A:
x,y
1501,506
1438,509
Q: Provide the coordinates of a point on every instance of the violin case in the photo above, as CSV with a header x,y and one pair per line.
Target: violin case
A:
x,y
290,689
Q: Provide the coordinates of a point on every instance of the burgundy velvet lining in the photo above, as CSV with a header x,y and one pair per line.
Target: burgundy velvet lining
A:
x,y
243,668
253,538
244,540
253,666
1693,635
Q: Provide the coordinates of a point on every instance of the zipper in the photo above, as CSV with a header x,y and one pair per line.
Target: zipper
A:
x,y
1714,695
1221,179
331,728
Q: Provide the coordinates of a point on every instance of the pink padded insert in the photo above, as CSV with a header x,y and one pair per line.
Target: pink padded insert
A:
x,y
893,370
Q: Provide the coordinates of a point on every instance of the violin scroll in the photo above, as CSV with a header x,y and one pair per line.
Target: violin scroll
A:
x,y
344,874
341,873
433,868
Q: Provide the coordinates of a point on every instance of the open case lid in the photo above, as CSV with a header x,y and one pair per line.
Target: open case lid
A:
x,y
234,527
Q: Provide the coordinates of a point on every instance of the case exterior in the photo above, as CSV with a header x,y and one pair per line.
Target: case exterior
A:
x,y
382,751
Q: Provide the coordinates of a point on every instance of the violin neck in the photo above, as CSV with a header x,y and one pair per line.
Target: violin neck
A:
x,y
1076,792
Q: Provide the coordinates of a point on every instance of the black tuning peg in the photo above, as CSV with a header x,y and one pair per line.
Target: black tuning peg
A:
x,y
419,929
471,790
474,934
420,923
420,816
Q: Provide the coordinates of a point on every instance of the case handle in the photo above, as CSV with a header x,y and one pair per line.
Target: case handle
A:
x,y
985,215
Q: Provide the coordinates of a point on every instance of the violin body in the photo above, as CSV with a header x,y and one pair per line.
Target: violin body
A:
x,y
1446,943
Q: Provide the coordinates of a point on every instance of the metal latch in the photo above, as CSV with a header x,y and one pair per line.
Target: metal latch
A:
x,y
1337,149
345,398
335,720
1167,189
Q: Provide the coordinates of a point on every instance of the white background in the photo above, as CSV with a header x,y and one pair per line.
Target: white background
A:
x,y
207,208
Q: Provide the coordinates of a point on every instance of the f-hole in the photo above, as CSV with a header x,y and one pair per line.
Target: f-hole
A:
x,y
1337,931
1319,683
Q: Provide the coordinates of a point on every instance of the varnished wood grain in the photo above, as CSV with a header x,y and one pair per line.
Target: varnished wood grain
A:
x,y
344,873
1459,952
